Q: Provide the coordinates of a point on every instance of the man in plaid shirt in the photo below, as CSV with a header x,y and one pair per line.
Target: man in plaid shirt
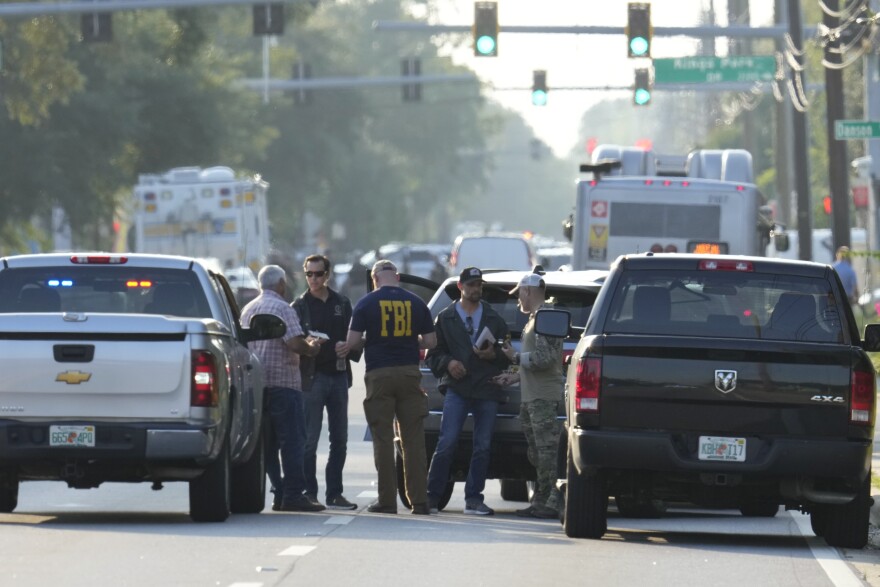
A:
x,y
280,360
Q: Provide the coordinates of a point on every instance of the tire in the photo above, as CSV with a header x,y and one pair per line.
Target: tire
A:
x,y
249,483
586,503
632,507
514,490
210,494
846,526
759,509
818,520
8,493
401,487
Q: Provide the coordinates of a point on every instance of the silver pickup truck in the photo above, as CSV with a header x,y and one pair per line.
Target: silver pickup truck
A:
x,y
130,368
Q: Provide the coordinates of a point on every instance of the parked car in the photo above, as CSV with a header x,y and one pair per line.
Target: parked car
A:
x,y
574,291
499,250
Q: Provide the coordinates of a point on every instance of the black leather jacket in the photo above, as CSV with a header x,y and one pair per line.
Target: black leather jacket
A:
x,y
453,342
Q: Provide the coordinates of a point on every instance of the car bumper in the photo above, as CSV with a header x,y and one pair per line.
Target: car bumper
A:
x,y
663,452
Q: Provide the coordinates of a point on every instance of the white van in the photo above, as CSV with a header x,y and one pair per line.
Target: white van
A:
x,y
491,251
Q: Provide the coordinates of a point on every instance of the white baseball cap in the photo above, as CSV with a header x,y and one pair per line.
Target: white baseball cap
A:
x,y
530,280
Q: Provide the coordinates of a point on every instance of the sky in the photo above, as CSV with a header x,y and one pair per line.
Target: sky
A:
x,y
574,60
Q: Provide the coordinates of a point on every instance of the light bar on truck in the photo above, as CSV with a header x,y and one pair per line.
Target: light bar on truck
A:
x,y
98,259
722,265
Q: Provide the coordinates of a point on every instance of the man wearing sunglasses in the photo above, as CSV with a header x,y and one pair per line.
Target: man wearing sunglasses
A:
x,y
465,374
326,378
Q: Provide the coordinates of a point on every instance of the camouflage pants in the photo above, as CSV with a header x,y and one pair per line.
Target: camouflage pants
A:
x,y
542,430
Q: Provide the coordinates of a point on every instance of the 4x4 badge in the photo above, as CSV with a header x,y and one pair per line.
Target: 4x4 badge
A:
x,y
725,380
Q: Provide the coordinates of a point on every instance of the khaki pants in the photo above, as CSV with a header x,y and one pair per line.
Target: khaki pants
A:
x,y
396,392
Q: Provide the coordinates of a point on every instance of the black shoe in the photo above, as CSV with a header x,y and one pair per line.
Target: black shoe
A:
x,y
421,509
301,504
378,508
340,503
526,512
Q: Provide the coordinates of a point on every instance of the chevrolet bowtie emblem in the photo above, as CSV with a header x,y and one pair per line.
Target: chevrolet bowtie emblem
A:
x,y
73,377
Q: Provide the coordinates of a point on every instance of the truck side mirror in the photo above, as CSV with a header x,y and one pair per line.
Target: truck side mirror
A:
x,y
263,327
780,241
554,323
872,338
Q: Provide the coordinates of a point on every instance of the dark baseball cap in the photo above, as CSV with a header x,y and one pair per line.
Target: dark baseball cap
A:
x,y
469,274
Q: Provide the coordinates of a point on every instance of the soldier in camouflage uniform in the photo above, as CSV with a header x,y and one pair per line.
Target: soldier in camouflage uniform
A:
x,y
541,382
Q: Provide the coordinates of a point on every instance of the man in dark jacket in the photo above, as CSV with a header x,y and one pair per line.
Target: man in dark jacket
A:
x,y
465,373
326,378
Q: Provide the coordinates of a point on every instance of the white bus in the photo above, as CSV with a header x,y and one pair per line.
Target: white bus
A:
x,y
620,214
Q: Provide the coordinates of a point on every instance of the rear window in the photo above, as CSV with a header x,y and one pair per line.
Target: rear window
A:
x,y
578,303
116,289
726,304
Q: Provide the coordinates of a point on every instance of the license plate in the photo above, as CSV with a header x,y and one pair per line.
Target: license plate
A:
x,y
71,436
720,448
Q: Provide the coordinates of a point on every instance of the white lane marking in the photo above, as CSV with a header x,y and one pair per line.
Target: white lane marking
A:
x,y
246,585
368,494
296,551
339,520
838,571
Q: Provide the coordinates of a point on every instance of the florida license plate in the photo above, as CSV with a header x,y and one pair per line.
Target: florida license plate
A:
x,y
72,436
720,448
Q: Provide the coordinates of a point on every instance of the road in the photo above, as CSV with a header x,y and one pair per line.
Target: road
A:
x,y
130,535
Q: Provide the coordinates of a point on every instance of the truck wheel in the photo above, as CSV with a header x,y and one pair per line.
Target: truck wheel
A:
x,y
818,520
401,487
210,492
249,483
633,507
846,525
586,503
759,509
8,493
514,490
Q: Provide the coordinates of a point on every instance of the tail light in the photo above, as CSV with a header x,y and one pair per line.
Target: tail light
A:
x,y
588,385
204,380
861,401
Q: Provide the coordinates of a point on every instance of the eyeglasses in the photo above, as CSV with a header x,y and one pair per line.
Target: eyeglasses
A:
x,y
469,325
316,273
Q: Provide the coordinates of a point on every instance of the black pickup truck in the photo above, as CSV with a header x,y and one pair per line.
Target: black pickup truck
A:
x,y
726,382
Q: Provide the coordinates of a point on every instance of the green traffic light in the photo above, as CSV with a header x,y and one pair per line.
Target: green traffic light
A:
x,y
642,97
539,98
486,45
638,46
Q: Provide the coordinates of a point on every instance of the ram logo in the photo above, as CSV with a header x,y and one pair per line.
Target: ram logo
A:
x,y
725,380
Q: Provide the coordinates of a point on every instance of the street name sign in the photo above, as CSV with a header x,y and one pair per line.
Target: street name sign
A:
x,y
856,129
702,70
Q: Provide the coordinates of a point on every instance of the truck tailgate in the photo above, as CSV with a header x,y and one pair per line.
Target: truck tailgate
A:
x,y
727,385
95,368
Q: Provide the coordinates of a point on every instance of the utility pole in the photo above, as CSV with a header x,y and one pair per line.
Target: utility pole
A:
x,y
799,148
784,176
838,166
872,147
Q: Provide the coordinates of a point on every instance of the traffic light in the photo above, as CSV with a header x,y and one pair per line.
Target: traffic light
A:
x,y
638,29
301,71
826,205
411,67
486,29
642,89
96,27
268,19
539,87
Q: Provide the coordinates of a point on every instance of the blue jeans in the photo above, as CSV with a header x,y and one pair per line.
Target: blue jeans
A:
x,y
288,437
330,390
455,410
